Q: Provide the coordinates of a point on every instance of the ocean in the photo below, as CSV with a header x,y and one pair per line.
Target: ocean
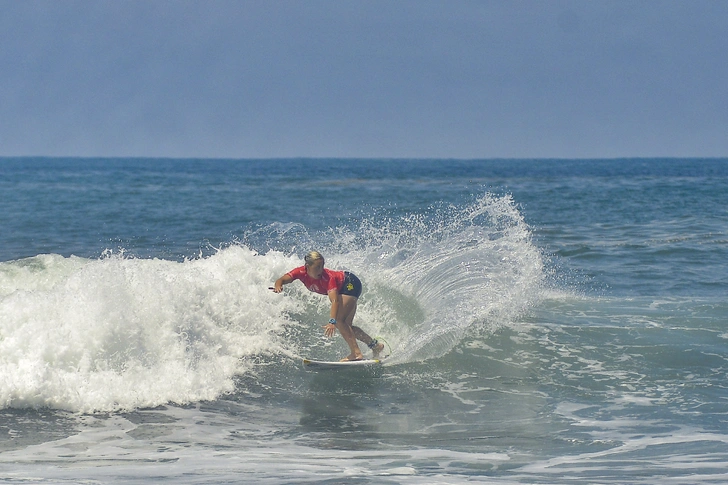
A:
x,y
548,321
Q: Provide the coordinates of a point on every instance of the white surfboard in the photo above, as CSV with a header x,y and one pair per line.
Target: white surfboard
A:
x,y
329,365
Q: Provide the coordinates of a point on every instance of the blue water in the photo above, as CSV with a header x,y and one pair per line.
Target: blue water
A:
x,y
549,321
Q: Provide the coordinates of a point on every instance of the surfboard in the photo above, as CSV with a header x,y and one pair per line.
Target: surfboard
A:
x,y
328,365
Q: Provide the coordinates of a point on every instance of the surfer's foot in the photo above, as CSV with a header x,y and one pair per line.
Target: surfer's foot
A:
x,y
377,350
352,358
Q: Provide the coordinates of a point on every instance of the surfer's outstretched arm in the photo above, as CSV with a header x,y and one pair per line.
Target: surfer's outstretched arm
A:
x,y
283,280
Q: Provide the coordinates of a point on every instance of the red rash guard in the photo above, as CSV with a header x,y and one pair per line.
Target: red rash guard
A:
x,y
330,280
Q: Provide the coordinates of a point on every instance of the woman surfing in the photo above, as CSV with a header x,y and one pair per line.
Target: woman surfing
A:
x,y
343,289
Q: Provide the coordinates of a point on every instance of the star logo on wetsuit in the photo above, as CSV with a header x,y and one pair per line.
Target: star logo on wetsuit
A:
x,y
350,286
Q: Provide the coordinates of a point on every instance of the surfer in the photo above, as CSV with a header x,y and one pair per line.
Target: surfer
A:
x,y
343,289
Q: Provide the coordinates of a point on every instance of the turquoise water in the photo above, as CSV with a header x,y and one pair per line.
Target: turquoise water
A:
x,y
549,321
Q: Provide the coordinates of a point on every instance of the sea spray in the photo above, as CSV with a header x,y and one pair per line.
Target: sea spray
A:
x,y
471,269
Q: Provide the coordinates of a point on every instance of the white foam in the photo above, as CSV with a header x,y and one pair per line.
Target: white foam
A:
x,y
117,333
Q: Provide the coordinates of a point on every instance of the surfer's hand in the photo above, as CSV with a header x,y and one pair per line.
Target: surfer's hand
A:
x,y
329,330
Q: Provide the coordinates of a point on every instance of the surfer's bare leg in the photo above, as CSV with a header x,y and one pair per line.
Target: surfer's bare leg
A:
x,y
348,334
345,317
349,306
376,347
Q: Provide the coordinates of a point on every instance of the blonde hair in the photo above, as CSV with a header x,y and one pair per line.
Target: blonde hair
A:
x,y
312,257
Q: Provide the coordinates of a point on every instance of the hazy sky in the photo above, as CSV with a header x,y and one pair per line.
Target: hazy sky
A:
x,y
364,78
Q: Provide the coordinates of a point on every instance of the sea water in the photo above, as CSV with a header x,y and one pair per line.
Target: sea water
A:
x,y
549,321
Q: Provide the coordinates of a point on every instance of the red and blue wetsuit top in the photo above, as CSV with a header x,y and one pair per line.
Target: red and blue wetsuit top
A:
x,y
330,280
